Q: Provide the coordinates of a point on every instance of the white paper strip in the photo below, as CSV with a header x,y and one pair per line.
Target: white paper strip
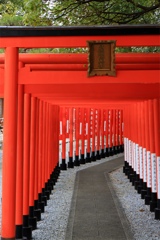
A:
x,y
148,169
144,165
158,177
154,179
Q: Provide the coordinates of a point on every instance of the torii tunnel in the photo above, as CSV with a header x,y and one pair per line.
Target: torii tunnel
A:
x,y
49,98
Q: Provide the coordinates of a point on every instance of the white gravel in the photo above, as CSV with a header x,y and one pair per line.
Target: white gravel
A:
x,y
143,224
54,220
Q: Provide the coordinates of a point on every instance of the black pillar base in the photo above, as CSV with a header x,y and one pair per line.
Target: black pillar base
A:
x,y
54,176
70,163
37,210
33,222
107,152
98,155
135,181
157,213
129,171
19,231
48,187
26,229
122,148
115,151
46,192
110,151
118,149
157,210
41,204
37,213
148,196
103,155
126,165
32,218
27,232
76,161
153,202
88,159
140,186
131,177
82,160
144,190
93,157
143,193
135,178
44,196
63,165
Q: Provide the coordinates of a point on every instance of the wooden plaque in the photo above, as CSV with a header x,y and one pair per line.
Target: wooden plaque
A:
x,y
101,58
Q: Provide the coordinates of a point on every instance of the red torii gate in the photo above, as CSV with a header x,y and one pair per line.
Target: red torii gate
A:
x,y
62,80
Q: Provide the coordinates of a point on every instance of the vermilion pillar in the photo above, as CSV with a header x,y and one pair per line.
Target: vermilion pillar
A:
x,y
32,169
10,142
41,197
93,157
148,196
88,133
156,105
37,205
63,164
144,190
67,134
85,132
110,132
19,168
76,162
106,127
140,149
153,157
57,137
153,202
27,230
70,163
114,131
103,123
99,134
121,130
82,160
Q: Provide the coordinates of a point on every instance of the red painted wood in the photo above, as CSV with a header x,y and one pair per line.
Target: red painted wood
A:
x,y
156,115
79,41
71,132
40,146
19,166
9,143
71,77
32,151
36,151
26,154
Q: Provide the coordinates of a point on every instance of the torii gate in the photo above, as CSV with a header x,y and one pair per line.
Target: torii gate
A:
x,y
61,79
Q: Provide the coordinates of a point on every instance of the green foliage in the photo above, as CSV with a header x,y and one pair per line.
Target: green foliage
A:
x,y
36,13
92,12
137,49
11,13
78,12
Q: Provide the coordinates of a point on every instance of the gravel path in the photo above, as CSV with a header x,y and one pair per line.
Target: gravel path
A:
x,y
142,221
54,220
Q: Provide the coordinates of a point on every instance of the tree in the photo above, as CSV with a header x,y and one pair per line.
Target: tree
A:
x,y
78,12
11,13
103,12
